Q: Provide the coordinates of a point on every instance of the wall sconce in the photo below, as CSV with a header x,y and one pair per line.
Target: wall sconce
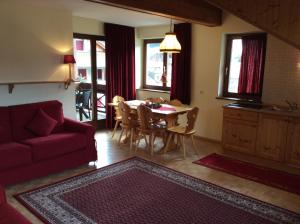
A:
x,y
170,44
69,59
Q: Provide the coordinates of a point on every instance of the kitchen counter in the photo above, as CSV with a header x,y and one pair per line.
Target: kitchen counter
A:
x,y
266,131
264,108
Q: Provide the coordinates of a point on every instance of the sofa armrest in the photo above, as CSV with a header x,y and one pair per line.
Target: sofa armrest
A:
x,y
2,196
75,126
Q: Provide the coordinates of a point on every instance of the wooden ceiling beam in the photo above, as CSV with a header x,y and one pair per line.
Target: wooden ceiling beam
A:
x,y
278,17
194,11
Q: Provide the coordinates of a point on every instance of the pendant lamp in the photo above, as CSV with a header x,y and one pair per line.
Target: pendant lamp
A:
x,y
170,44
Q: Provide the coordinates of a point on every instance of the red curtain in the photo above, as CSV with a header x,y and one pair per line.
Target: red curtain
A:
x,y
252,65
120,65
181,65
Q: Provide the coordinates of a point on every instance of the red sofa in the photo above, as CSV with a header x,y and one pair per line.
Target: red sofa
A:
x,y
9,215
24,155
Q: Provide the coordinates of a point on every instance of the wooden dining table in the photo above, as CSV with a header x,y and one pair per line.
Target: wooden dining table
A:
x,y
166,112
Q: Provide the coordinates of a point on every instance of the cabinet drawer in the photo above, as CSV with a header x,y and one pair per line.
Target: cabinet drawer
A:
x,y
241,114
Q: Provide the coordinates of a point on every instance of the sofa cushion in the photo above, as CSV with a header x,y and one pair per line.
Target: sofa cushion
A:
x,y
41,124
5,129
21,115
55,144
13,154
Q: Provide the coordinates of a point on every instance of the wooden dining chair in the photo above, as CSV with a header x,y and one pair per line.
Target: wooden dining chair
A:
x,y
184,131
118,117
129,122
148,127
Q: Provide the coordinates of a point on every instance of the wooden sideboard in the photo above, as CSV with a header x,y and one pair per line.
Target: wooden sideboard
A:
x,y
262,132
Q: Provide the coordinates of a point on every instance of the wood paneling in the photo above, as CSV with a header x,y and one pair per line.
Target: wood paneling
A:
x,y
239,135
197,11
272,136
278,17
293,142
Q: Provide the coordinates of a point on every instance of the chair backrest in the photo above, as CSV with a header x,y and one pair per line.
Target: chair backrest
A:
x,y
125,113
117,99
176,102
191,119
145,117
86,99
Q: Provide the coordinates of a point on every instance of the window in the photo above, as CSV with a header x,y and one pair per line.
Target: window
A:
x,y
155,65
244,65
79,45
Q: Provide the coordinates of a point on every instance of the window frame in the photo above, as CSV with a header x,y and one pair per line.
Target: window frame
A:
x,y
226,68
165,58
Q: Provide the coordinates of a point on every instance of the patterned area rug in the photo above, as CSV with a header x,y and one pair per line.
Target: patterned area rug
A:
x,y
271,177
139,191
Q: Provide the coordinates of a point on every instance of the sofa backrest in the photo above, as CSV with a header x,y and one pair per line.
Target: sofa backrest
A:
x,y
5,128
21,115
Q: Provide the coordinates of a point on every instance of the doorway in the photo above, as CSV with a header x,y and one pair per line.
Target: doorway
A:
x,y
90,85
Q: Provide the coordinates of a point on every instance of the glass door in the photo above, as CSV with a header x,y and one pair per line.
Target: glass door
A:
x,y
90,85
100,82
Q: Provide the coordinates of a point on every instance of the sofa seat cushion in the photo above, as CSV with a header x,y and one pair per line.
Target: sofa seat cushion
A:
x,y
55,145
13,154
8,215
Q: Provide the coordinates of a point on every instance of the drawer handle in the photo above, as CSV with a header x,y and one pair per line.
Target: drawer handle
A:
x,y
267,148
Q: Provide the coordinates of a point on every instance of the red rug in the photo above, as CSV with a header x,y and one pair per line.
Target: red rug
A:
x,y
260,174
138,191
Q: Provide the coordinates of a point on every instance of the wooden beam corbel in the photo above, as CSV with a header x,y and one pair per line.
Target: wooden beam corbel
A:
x,y
194,11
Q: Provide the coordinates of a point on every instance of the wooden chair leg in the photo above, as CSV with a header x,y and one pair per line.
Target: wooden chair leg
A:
x,y
168,142
145,137
131,138
183,146
194,145
152,143
115,128
139,139
154,137
121,135
177,141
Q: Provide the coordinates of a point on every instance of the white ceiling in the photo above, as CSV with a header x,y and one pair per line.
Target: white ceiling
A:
x,y
103,13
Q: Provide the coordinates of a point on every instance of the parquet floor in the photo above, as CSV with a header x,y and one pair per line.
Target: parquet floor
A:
x,y
109,151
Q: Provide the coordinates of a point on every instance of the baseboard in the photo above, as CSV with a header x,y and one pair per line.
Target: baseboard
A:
x,y
207,139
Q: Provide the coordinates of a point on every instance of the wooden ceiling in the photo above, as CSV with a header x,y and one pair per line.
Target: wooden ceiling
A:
x,y
278,17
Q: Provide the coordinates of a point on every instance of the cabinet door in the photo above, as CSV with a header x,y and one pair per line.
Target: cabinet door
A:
x,y
239,135
293,142
272,136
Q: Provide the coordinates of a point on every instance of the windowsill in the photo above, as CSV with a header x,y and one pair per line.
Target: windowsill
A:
x,y
235,99
154,90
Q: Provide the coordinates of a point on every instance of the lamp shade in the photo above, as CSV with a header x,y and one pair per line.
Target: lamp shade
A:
x,y
69,59
170,44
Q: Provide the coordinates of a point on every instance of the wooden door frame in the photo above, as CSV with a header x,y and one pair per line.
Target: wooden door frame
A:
x,y
93,38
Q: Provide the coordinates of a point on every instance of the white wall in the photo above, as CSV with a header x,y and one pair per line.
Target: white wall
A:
x,y
87,26
33,41
282,73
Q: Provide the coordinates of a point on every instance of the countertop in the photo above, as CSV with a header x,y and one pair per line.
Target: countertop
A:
x,y
267,109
